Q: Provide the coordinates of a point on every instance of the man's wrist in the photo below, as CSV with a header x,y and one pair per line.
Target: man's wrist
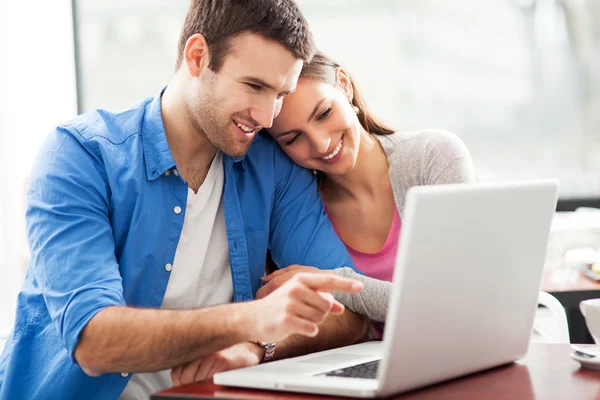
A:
x,y
258,350
267,350
243,327
255,349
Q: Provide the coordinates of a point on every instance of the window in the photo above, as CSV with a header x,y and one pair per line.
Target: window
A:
x,y
125,50
517,80
37,96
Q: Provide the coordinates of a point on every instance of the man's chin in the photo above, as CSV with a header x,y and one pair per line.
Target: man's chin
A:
x,y
236,151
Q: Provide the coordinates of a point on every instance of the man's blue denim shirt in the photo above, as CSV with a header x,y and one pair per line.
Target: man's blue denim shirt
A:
x,y
103,224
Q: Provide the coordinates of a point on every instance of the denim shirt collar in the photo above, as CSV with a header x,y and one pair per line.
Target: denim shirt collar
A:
x,y
157,155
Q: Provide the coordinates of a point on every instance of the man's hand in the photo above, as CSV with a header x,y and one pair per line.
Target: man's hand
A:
x,y
277,278
237,356
299,306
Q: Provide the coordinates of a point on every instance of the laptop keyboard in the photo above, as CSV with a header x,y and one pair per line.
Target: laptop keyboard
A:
x,y
363,371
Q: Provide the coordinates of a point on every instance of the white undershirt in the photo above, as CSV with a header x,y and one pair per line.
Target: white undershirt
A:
x,y
201,275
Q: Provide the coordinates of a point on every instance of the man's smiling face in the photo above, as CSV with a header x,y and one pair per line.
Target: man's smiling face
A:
x,y
231,105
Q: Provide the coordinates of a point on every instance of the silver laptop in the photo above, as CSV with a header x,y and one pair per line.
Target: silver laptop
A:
x,y
464,295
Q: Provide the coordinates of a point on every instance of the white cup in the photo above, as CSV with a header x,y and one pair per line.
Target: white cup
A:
x,y
591,311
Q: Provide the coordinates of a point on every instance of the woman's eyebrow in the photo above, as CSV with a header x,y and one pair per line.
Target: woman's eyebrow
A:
x,y
314,111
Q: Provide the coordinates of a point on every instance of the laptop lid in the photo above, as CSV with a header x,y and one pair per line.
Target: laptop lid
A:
x,y
465,290
468,273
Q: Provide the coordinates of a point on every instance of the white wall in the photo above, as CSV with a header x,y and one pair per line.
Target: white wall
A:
x,y
37,86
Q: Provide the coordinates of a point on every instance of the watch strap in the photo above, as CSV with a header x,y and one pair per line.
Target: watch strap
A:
x,y
269,348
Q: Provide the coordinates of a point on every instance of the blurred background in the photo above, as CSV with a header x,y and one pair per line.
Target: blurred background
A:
x,y
517,80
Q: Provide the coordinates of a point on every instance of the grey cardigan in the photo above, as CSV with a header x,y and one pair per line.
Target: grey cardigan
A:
x,y
428,157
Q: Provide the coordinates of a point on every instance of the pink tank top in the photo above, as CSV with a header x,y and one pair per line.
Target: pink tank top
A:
x,y
379,265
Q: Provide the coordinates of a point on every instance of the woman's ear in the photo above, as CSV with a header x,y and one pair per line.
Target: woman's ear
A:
x,y
343,79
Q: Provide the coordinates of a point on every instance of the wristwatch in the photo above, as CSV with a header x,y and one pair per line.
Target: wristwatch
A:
x,y
269,350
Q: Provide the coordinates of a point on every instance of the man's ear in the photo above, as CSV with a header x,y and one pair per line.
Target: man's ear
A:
x,y
343,79
196,56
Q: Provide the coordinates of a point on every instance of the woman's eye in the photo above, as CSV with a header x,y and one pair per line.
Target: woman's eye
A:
x,y
290,142
324,115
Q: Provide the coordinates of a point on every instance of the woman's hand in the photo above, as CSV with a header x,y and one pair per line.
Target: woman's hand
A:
x,y
278,278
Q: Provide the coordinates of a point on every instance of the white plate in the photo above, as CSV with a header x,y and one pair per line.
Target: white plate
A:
x,y
587,361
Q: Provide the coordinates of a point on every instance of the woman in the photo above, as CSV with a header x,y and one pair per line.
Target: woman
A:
x,y
365,170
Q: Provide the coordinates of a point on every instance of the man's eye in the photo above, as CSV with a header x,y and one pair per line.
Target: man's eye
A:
x,y
254,86
282,95
324,115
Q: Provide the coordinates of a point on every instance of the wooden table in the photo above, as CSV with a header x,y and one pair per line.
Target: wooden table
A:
x,y
570,293
547,372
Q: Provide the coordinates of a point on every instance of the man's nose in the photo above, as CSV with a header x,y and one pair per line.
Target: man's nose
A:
x,y
265,114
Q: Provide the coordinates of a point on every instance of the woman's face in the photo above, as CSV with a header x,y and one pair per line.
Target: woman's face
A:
x,y
317,126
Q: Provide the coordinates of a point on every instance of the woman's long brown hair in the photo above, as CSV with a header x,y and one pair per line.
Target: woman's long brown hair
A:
x,y
323,69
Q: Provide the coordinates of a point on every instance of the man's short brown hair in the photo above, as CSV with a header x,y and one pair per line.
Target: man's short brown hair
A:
x,y
220,20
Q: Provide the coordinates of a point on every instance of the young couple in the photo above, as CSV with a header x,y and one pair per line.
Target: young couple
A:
x,y
149,227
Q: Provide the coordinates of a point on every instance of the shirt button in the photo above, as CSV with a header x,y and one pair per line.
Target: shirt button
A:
x,y
167,172
124,374
169,267
175,172
177,210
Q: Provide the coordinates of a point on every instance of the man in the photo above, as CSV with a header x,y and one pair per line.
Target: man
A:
x,y
143,224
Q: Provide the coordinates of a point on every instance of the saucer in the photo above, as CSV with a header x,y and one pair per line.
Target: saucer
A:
x,y
588,362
